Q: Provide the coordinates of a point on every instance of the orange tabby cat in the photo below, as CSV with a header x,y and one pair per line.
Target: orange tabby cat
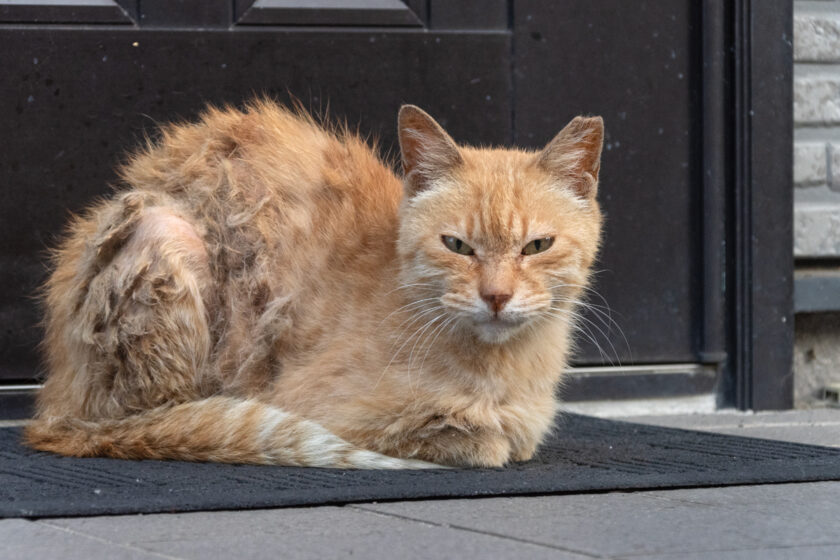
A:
x,y
266,291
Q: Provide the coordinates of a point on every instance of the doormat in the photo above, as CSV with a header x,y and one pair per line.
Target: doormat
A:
x,y
585,454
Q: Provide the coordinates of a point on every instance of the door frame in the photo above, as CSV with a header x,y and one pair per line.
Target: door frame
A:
x,y
758,120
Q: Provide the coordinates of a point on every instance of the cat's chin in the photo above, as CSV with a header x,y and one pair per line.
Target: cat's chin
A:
x,y
497,331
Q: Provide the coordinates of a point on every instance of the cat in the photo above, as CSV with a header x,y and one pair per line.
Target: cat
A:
x,y
265,290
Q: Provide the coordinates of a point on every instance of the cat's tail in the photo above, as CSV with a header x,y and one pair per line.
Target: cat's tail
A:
x,y
221,429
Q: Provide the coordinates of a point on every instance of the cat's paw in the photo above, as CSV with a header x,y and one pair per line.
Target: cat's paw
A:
x,y
520,455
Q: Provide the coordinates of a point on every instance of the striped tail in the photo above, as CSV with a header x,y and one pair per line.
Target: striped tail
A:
x,y
220,429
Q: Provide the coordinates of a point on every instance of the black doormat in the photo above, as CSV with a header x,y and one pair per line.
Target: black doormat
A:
x,y
585,454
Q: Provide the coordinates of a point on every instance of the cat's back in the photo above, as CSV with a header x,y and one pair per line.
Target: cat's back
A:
x,y
268,181
232,161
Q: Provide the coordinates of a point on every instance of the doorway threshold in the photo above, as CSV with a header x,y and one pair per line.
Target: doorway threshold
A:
x,y
699,404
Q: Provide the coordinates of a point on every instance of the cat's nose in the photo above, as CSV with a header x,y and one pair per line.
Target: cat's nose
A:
x,y
496,301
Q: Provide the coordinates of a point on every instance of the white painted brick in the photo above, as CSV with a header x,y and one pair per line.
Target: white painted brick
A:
x,y
809,164
816,230
816,98
816,36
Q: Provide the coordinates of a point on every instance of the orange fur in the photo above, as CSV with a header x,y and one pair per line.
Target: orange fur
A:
x,y
263,292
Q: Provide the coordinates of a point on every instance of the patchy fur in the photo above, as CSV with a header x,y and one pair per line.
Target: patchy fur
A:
x,y
263,291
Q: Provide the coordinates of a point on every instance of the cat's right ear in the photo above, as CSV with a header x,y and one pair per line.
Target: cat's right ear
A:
x,y
427,150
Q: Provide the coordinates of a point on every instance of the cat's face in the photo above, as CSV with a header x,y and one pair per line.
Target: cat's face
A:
x,y
496,241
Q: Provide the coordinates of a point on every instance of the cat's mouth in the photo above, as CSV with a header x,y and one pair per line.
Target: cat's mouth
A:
x,y
502,320
496,328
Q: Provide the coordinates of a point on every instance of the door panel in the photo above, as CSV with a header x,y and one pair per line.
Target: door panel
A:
x,y
57,11
638,69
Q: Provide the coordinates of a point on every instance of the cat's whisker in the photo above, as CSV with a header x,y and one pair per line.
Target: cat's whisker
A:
x,y
462,304
576,321
435,334
426,327
414,318
586,305
459,300
581,322
429,341
400,331
587,289
419,335
530,310
574,324
418,285
605,318
586,320
399,336
406,307
601,308
537,301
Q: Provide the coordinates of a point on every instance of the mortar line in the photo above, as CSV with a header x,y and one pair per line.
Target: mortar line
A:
x,y
742,549
479,532
101,540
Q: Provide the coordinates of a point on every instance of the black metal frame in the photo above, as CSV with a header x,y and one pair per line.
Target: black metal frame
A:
x,y
747,176
761,211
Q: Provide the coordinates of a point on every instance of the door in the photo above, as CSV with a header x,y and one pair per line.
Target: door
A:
x,y
83,82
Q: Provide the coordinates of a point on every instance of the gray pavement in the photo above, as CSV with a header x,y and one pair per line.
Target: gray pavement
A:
x,y
800,521
819,426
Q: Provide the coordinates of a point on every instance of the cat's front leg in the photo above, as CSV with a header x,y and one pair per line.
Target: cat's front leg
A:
x,y
450,440
527,426
481,448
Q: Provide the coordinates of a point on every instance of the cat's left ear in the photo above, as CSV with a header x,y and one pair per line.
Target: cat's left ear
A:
x,y
427,151
574,155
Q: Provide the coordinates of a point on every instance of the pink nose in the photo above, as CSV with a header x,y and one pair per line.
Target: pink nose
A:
x,y
496,301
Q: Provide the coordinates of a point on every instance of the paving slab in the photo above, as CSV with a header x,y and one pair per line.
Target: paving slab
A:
x,y
814,426
812,416
27,540
323,532
649,523
816,552
812,501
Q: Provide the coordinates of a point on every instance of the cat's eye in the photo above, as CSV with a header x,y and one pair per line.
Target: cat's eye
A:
x,y
538,246
456,245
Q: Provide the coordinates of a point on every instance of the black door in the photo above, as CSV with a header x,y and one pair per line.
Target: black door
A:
x,y
82,83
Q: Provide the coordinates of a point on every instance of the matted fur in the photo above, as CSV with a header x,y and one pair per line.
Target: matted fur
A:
x,y
262,291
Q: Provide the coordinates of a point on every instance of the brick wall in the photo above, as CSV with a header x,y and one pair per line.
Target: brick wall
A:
x,y
816,177
816,113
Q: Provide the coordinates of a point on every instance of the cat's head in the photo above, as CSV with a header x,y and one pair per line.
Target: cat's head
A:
x,y
494,241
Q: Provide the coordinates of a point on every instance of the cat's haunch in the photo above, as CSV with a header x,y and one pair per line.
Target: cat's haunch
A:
x,y
264,289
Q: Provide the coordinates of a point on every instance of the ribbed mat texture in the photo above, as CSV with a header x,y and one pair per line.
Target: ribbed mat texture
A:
x,y
584,454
